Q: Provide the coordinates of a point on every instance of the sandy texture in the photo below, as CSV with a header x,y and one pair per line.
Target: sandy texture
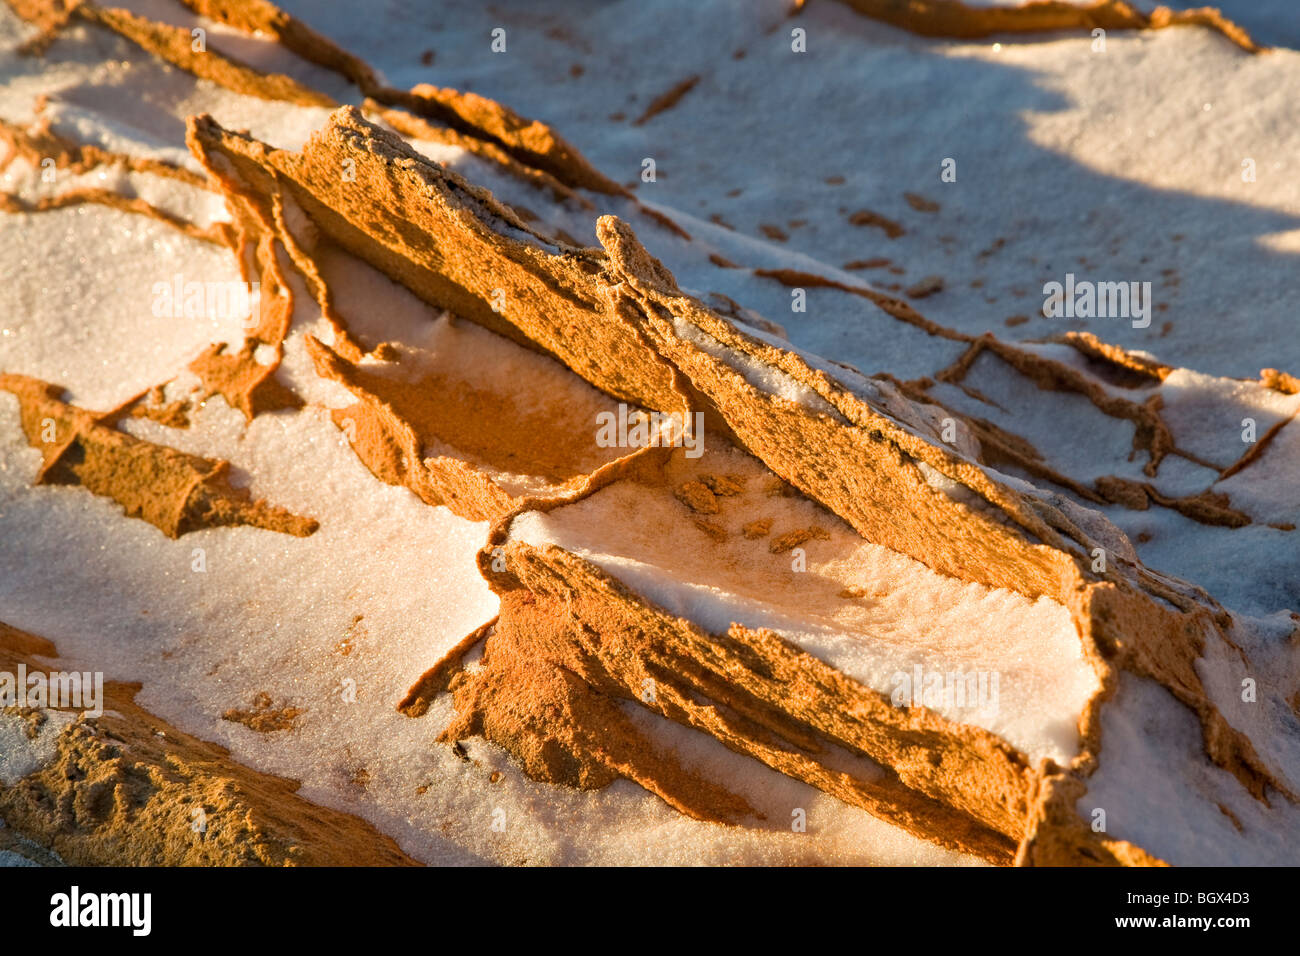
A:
x,y
130,789
173,491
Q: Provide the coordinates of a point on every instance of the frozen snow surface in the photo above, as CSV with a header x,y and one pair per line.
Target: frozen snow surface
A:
x,y
24,748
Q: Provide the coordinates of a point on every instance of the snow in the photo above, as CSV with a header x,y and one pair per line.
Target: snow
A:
x,y
76,301
1159,790
762,376
20,753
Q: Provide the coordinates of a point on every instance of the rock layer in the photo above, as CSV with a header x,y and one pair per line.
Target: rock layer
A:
x,y
133,790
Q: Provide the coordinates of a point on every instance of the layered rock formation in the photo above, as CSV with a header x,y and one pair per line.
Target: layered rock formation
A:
x,y
859,448
129,789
